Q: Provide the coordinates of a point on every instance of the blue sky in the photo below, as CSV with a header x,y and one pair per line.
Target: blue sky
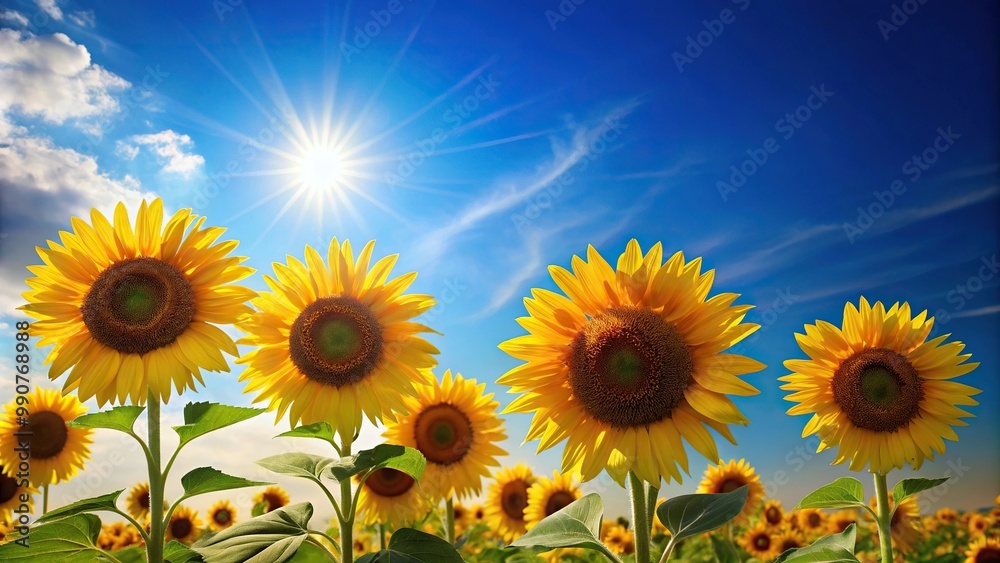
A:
x,y
810,154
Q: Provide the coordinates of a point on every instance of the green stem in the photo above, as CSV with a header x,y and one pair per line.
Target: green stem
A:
x,y
668,550
332,541
884,518
640,518
449,526
346,520
45,498
381,537
154,547
326,552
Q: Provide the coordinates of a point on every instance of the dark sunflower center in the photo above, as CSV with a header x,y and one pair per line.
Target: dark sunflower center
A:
x,y
138,305
789,543
48,434
814,520
144,500
628,367
180,528
878,390
762,542
387,482
274,502
458,512
8,487
443,434
988,554
222,516
773,515
557,501
514,499
336,341
730,485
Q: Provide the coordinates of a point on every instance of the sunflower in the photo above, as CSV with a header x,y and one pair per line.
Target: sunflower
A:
x,y
335,340
983,550
462,516
13,490
946,515
134,309
390,496
629,362
221,515
978,524
759,542
6,531
363,543
789,539
878,389
137,502
904,527
773,514
731,476
274,496
810,521
455,425
478,513
506,500
548,496
108,538
620,540
840,520
184,526
57,451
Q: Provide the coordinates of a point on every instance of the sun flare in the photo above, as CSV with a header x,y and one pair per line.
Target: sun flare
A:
x,y
322,169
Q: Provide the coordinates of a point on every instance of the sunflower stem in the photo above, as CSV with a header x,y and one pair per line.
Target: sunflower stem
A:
x,y
154,547
640,518
45,498
346,519
381,537
449,527
884,518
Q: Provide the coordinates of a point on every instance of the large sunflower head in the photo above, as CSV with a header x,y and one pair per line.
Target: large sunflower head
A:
x,y
13,492
273,497
760,542
727,477
392,497
221,515
455,425
132,309
335,339
506,500
877,389
628,362
548,496
56,450
983,550
773,514
184,526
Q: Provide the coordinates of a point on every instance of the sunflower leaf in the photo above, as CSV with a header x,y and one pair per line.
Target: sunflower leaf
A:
x,y
690,515
320,430
845,492
271,538
297,464
96,504
209,479
70,540
310,553
828,549
725,551
400,458
413,546
202,418
119,418
909,487
578,524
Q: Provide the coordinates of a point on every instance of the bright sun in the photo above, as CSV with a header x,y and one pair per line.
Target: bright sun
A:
x,y
321,169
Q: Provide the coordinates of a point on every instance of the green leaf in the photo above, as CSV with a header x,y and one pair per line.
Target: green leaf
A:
x,y
202,418
846,492
413,546
271,538
259,509
690,515
96,504
910,487
578,524
119,418
70,540
310,553
320,430
407,460
209,479
176,552
828,549
725,551
297,464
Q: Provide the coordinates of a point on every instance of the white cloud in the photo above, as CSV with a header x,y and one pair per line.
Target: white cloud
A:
x,y
988,310
13,16
83,18
169,148
51,77
50,8
126,151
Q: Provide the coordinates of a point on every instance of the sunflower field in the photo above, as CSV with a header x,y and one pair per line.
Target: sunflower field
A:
x,y
624,371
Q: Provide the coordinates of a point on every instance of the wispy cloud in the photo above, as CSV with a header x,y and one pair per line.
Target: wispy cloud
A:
x,y
988,310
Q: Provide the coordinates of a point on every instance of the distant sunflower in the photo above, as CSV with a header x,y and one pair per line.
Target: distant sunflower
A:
x,y
137,502
108,537
334,340
548,496
811,521
877,389
789,539
506,500
391,497
628,363
57,451
462,516
478,513
455,425
184,526
840,520
620,540
773,514
132,309
983,550
221,515
905,524
760,542
363,543
730,476
946,515
274,496
978,524
11,489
